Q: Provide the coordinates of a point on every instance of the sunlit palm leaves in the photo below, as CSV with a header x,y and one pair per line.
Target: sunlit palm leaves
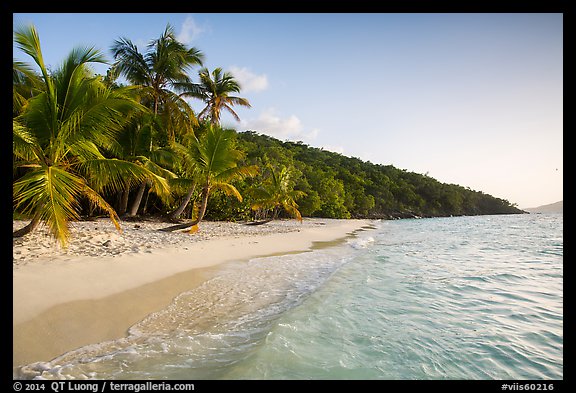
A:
x,y
216,161
58,136
162,67
133,144
215,89
25,84
54,194
277,193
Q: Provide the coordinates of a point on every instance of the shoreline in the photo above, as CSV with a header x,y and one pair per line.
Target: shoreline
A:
x,y
62,301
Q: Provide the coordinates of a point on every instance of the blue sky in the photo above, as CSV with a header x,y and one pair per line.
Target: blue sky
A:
x,y
472,99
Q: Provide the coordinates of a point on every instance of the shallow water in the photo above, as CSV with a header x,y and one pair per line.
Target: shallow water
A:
x,y
442,298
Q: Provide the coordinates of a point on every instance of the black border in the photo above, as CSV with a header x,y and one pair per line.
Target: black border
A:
x,y
286,6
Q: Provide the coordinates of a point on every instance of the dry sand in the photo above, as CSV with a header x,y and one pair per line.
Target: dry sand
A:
x,y
106,281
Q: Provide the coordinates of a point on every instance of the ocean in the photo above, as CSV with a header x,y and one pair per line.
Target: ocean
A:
x,y
475,298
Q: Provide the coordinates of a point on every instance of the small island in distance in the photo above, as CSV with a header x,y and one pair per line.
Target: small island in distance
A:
x,y
556,207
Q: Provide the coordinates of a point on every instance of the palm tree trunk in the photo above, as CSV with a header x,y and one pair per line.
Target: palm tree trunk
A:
x,y
204,204
145,208
91,210
124,201
140,193
137,201
275,213
175,215
28,228
205,195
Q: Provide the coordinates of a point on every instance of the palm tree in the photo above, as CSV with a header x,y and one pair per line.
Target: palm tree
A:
x,y
277,194
214,90
163,67
216,160
58,137
131,145
187,182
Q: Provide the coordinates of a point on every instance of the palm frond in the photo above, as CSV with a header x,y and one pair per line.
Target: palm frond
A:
x,y
157,177
73,73
179,118
85,150
53,194
216,152
237,173
276,192
24,144
28,41
159,186
19,101
113,174
38,119
180,185
22,72
296,194
186,161
261,205
164,156
96,200
292,209
26,83
130,62
189,89
214,89
155,168
238,101
205,112
231,111
101,118
228,189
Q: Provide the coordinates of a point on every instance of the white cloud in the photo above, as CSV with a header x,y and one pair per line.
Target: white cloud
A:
x,y
190,30
288,128
248,80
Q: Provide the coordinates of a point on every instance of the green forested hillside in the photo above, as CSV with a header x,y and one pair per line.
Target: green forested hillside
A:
x,y
337,186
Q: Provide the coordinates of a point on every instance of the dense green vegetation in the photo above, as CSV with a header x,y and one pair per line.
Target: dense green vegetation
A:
x,y
336,186
85,145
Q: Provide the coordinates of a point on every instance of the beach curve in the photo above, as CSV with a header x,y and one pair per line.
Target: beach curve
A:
x,y
105,281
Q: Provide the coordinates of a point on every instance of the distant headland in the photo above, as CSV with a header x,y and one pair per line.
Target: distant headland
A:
x,y
557,207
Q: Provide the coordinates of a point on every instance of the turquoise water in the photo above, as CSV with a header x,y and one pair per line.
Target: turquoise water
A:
x,y
443,298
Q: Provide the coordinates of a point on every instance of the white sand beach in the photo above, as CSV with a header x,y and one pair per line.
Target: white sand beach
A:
x,y
106,281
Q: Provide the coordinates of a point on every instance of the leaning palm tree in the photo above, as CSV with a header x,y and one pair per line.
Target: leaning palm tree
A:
x,y
277,194
160,70
58,137
216,160
214,89
187,168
